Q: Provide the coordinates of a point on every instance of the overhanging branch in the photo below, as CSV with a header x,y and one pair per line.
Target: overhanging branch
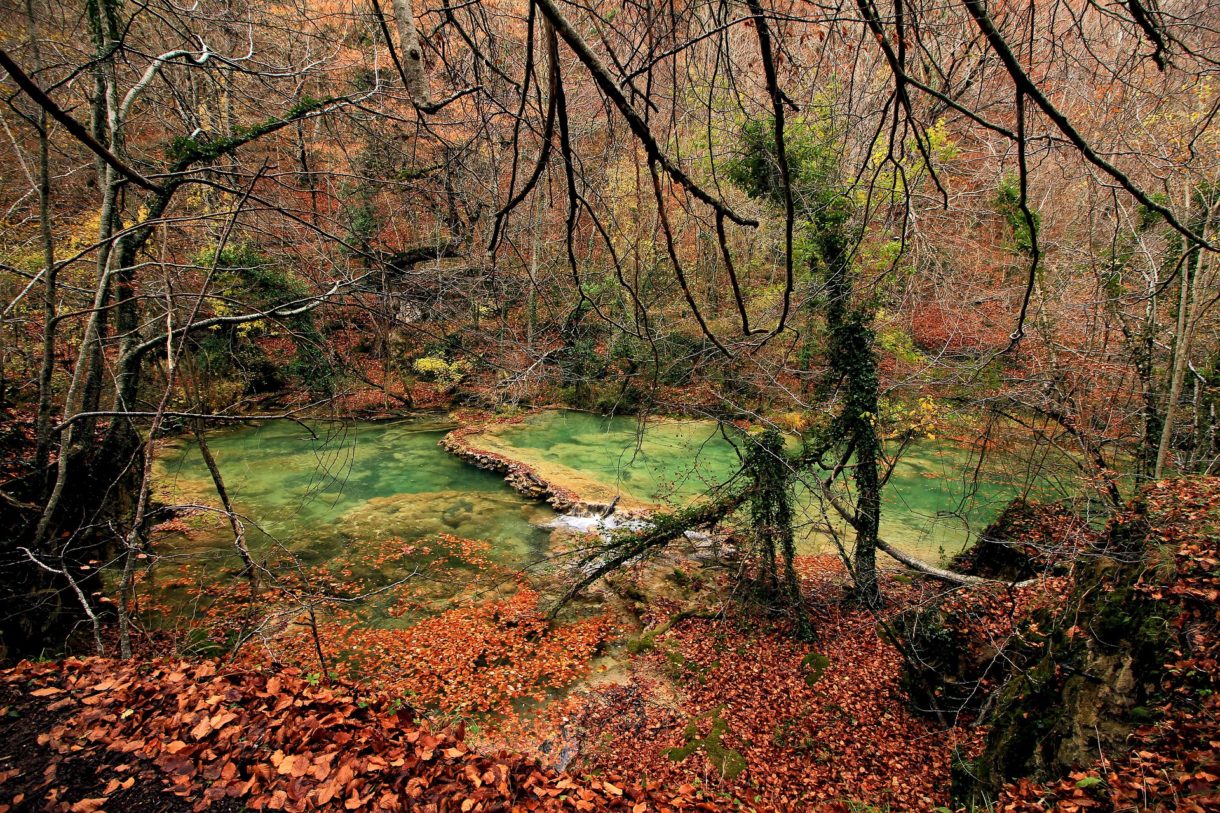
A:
x,y
70,124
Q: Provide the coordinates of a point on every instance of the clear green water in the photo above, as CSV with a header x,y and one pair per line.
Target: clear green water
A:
x,y
661,461
349,487
934,502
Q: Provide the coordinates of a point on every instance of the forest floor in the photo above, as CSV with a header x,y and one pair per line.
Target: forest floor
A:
x,y
735,706
726,712
717,713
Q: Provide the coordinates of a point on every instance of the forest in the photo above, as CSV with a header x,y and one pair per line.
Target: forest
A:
x,y
604,405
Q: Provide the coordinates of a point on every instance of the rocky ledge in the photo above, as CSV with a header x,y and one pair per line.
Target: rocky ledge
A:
x,y
520,476
462,442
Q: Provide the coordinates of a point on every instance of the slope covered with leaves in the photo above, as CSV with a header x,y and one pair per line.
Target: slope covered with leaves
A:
x,y
733,705
1112,701
91,735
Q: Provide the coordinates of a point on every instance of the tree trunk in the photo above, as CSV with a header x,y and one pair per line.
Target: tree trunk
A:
x,y
1188,304
1145,366
411,54
853,360
42,424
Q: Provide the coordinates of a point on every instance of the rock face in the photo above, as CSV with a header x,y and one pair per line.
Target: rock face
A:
x,y
1081,671
1028,551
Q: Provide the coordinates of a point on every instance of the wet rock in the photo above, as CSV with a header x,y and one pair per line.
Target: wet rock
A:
x,y
521,477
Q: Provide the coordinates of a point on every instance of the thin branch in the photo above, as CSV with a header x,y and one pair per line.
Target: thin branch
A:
x,y
70,124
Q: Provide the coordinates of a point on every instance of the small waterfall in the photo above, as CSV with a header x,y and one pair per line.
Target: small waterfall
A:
x,y
599,518
591,522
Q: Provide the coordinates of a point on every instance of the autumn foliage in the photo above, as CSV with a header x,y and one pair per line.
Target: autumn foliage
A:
x,y
470,660
712,713
215,736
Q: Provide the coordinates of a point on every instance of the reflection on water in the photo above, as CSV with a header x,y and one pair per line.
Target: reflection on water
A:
x,y
938,496
344,483
359,505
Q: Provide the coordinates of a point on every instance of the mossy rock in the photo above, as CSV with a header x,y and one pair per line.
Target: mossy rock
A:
x,y
1091,663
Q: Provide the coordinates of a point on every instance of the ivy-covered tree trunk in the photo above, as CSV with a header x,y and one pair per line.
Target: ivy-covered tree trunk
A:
x,y
827,210
860,414
770,507
853,363
1145,367
771,515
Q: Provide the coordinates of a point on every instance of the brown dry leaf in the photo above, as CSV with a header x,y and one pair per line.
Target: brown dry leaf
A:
x,y
287,765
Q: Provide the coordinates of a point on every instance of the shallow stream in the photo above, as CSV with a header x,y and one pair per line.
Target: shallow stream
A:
x,y
325,492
